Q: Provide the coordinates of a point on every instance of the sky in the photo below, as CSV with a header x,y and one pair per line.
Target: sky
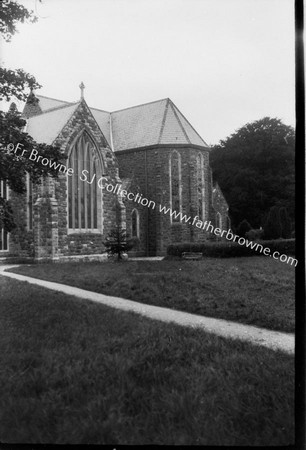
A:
x,y
223,63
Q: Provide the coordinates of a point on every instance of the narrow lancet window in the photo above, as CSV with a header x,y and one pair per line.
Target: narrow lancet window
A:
x,y
29,203
135,223
200,187
175,186
3,233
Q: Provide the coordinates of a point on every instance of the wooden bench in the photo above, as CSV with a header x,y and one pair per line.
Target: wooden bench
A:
x,y
192,255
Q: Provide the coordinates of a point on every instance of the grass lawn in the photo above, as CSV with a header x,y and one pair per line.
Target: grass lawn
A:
x,y
76,372
251,290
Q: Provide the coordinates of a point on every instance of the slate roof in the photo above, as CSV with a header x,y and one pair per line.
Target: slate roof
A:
x,y
49,103
158,122
103,120
45,127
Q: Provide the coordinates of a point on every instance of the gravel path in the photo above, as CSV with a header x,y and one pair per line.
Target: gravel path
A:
x,y
259,336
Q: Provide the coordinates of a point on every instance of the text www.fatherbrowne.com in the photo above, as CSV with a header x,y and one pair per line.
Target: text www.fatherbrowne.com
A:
x,y
228,234
103,184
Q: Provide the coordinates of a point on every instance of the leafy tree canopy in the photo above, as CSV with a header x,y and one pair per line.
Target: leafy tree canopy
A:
x,y
12,166
12,13
255,169
13,85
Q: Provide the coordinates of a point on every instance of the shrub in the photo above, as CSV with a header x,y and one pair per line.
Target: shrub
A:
x,y
283,246
243,228
277,224
254,235
273,226
285,223
117,242
231,249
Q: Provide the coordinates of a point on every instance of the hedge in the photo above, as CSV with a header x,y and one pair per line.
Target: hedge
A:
x,y
232,249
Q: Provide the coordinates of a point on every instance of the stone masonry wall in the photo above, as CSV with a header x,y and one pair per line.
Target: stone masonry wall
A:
x,y
21,242
85,243
149,170
49,239
145,172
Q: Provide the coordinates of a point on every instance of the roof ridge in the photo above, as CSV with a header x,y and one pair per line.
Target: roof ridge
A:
x,y
189,123
51,98
180,123
56,108
47,129
163,122
71,114
142,104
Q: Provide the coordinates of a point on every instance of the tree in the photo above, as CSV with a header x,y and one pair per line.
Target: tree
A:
x,y
255,170
118,242
14,84
285,223
12,13
243,228
273,226
13,140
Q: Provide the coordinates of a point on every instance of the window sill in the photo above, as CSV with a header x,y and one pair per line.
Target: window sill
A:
x,y
84,231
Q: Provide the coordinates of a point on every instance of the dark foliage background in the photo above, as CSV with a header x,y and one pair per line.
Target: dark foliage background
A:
x,y
255,170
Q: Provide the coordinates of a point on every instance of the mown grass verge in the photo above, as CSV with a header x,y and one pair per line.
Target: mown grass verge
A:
x,y
75,372
257,290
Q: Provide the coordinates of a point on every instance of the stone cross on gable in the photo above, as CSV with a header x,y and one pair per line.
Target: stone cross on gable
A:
x,y
82,87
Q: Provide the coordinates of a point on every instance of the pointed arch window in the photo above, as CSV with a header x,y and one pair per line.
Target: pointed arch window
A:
x,y
135,223
29,202
219,220
4,237
84,197
200,187
175,185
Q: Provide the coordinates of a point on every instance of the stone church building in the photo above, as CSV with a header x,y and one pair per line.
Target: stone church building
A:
x,y
128,166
